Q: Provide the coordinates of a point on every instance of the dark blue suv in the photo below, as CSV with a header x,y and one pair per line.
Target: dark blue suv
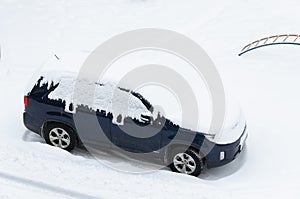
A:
x,y
51,112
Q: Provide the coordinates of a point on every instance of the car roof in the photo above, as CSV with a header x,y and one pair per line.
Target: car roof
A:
x,y
51,79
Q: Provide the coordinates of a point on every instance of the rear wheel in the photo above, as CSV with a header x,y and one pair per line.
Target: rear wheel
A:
x,y
60,135
187,162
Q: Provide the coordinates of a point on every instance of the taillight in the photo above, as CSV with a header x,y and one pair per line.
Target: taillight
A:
x,y
26,100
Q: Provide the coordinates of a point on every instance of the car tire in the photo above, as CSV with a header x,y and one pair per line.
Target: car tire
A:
x,y
60,135
186,161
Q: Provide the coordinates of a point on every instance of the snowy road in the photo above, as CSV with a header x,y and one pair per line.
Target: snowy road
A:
x,y
266,82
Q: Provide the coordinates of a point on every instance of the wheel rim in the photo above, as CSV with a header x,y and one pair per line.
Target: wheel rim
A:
x,y
59,138
184,163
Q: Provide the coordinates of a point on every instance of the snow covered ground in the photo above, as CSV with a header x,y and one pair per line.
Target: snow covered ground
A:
x,y
266,83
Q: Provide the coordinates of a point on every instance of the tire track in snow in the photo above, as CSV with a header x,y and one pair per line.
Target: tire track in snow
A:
x,y
47,187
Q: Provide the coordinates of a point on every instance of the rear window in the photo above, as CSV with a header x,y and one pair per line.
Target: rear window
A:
x,y
41,89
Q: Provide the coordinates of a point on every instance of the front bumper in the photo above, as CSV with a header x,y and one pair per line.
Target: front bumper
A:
x,y
222,154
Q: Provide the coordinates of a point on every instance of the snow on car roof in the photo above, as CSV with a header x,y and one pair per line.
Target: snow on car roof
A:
x,y
107,97
72,62
110,98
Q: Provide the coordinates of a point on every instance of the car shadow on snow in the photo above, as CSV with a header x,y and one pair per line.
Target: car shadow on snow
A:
x,y
106,156
116,158
28,136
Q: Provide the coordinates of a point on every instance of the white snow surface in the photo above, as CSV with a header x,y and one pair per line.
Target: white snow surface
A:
x,y
265,82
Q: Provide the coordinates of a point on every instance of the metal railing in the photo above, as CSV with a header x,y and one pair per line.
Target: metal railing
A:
x,y
292,39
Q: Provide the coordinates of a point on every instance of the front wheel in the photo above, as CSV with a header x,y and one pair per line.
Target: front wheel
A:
x,y
60,135
188,162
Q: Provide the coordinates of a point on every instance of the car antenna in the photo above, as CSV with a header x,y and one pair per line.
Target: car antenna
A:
x,y
56,56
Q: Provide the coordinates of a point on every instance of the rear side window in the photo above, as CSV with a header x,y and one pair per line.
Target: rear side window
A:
x,y
40,91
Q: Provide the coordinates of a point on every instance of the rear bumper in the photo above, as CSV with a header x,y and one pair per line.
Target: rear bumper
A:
x,y
31,123
228,151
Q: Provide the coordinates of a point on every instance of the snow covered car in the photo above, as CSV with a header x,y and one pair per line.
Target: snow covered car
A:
x,y
52,111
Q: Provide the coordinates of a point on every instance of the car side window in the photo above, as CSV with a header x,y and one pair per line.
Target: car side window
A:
x,y
142,114
122,103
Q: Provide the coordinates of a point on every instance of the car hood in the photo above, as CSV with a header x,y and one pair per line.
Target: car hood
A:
x,y
232,127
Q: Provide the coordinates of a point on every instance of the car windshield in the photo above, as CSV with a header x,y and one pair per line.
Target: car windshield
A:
x,y
146,103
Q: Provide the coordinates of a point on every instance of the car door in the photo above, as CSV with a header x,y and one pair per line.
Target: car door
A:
x,y
139,135
93,127
136,136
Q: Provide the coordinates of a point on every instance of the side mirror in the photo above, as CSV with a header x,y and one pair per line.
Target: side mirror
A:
x,y
70,108
147,119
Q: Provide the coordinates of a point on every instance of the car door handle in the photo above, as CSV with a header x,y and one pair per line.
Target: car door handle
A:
x,y
171,137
